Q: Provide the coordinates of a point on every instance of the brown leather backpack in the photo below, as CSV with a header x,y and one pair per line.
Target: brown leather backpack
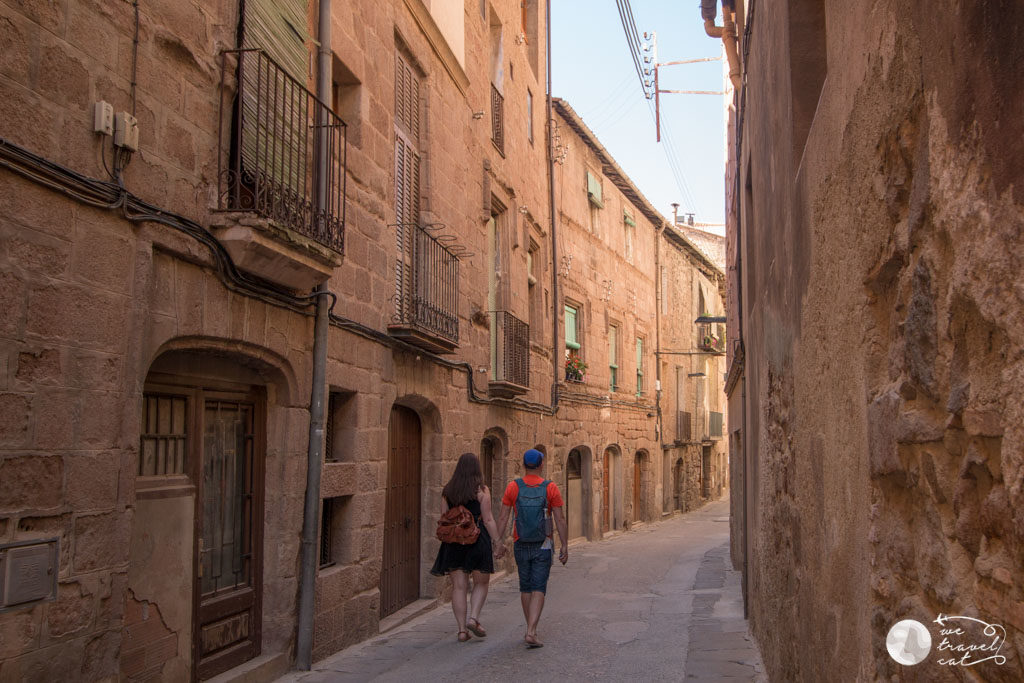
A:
x,y
457,525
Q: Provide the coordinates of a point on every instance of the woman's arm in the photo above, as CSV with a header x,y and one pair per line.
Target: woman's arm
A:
x,y
444,505
484,496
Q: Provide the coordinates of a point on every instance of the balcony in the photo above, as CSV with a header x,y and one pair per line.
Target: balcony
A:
x,y
281,175
498,119
426,290
711,337
510,355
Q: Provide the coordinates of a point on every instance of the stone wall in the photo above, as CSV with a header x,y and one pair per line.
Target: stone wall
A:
x,y
105,304
882,332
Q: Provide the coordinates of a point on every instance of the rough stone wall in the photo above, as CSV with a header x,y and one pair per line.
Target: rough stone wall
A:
x,y
883,337
98,303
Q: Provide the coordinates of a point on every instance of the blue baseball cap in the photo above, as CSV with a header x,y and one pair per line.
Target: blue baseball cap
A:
x,y
533,458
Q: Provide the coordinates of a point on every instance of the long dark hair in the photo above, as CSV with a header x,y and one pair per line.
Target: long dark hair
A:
x,y
466,480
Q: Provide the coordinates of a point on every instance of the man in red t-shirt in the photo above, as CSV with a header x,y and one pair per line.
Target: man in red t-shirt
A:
x,y
534,558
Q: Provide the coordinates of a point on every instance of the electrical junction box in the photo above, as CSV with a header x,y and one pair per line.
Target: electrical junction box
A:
x,y
126,131
103,118
28,573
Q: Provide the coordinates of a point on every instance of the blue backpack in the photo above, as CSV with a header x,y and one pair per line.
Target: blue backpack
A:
x,y
531,505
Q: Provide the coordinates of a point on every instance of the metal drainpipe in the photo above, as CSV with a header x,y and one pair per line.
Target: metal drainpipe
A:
x,y
314,456
555,356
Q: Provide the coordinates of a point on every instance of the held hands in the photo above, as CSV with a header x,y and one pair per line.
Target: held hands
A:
x,y
499,551
563,554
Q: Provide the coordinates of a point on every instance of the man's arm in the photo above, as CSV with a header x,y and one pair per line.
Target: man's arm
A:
x,y
506,510
499,541
563,533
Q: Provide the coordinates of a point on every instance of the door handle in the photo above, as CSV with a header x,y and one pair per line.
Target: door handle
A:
x,y
408,522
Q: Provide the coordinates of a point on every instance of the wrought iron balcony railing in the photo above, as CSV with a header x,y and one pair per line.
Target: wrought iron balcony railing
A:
x,y
510,354
278,131
497,119
426,290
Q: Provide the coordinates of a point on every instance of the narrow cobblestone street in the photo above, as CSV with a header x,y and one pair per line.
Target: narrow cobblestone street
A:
x,y
658,604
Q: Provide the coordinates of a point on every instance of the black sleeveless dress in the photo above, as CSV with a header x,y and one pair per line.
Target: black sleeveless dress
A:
x,y
469,558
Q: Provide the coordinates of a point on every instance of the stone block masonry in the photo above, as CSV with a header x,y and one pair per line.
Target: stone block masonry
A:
x,y
136,364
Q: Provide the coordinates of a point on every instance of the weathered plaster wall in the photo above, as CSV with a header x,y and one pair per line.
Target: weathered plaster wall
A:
x,y
883,336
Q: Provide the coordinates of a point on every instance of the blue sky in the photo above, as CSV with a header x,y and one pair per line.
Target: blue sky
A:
x,y
592,70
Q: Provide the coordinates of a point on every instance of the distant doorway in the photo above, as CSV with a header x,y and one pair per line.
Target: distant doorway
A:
x,y
574,494
678,478
639,492
705,472
606,478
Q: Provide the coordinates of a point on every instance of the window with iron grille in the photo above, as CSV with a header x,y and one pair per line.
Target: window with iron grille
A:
x,y
163,447
326,533
497,119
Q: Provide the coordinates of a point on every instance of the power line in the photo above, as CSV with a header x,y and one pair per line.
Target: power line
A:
x,y
635,51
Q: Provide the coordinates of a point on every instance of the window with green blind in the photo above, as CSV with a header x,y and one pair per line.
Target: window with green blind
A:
x,y
594,190
613,357
572,328
639,366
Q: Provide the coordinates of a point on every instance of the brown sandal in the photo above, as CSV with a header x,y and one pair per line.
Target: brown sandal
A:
x,y
464,636
475,627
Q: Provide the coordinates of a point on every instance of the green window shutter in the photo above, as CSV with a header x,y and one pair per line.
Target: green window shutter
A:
x,y
628,218
571,341
594,190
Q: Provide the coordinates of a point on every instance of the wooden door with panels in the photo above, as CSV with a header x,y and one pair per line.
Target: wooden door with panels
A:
x,y
216,438
399,576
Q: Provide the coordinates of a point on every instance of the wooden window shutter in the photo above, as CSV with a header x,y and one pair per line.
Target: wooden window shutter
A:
x,y
571,340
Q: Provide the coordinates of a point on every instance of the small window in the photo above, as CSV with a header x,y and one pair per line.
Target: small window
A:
x,y
639,366
629,230
346,99
340,427
613,357
326,533
529,116
575,368
594,190
571,322
164,437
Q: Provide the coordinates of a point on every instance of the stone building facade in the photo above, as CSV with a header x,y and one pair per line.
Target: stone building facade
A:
x,y
874,208
158,330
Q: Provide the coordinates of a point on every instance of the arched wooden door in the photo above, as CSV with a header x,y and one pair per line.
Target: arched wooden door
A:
x,y
399,575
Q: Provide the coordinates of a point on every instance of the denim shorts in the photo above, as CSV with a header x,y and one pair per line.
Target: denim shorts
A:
x,y
534,565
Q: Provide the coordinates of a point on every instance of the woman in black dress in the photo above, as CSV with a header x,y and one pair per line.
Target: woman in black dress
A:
x,y
466,488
